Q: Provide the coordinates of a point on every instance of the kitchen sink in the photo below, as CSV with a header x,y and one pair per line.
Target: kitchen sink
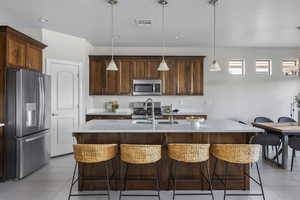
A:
x,y
157,121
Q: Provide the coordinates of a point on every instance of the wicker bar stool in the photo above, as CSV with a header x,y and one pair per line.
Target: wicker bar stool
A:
x,y
237,154
93,153
190,153
133,154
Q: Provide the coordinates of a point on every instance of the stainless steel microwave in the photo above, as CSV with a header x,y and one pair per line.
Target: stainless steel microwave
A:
x,y
146,87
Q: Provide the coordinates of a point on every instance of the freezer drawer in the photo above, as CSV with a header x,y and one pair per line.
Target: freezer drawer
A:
x,y
33,153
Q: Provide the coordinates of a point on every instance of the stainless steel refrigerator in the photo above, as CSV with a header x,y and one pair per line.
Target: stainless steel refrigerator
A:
x,y
27,121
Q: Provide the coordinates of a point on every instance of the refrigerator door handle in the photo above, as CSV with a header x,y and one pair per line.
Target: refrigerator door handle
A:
x,y
40,102
34,138
43,101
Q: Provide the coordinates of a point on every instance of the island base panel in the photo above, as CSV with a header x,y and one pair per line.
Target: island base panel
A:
x,y
188,175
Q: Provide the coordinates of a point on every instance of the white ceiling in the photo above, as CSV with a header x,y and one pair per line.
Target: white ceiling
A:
x,y
240,22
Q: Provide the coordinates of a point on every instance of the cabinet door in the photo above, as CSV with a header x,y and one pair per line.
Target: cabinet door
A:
x,y
97,77
170,79
184,77
2,95
2,161
140,69
112,84
34,58
152,72
125,77
16,52
197,82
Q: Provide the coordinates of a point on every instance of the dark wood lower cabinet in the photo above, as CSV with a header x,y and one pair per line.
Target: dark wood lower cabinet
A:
x,y
188,174
1,153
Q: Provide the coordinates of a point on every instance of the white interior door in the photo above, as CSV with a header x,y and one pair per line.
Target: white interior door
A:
x,y
65,105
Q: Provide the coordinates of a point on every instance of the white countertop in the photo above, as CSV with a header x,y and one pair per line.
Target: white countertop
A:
x,y
2,124
130,113
185,113
184,126
110,113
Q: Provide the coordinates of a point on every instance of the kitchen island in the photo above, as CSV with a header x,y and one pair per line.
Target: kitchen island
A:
x,y
139,132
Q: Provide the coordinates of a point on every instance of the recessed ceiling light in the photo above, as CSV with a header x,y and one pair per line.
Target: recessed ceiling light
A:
x,y
43,20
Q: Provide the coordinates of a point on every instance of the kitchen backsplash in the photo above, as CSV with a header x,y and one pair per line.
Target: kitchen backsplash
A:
x,y
186,104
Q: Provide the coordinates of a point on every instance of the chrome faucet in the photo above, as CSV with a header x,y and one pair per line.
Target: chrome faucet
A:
x,y
150,100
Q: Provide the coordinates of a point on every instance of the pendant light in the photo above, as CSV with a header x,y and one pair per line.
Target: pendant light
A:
x,y
214,67
163,65
112,65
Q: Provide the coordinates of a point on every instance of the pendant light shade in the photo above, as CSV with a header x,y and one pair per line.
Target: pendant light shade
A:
x,y
214,67
163,65
112,65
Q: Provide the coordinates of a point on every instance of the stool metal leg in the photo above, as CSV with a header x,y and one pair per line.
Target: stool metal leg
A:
x,y
209,180
260,181
158,179
72,183
225,181
174,179
123,181
107,180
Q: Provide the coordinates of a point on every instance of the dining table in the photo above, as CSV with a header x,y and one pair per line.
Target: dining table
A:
x,y
284,130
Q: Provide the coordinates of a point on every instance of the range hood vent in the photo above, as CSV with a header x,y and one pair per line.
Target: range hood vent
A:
x,y
143,22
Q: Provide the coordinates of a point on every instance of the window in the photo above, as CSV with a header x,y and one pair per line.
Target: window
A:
x,y
236,67
263,67
290,67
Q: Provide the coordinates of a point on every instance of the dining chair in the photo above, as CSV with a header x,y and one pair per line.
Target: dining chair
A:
x,y
267,139
285,120
294,141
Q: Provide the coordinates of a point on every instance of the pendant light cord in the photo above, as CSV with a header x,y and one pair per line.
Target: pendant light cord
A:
x,y
112,30
215,30
163,32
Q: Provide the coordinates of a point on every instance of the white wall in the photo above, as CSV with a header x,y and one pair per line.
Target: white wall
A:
x,y
225,96
7,18
72,49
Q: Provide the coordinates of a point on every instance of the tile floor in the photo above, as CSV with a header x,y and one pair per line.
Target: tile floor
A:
x,y
52,183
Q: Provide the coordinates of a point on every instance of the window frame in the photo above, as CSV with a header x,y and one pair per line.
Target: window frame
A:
x,y
270,67
296,60
243,67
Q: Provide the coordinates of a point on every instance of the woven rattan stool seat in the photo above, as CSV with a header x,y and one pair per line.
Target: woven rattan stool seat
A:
x,y
94,153
140,154
237,153
189,153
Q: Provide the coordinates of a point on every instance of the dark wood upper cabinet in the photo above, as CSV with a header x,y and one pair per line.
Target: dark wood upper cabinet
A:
x,y
16,52
34,58
152,73
197,77
140,69
97,76
20,50
170,78
125,74
185,76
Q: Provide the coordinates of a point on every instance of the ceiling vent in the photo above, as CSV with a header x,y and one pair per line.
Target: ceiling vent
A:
x,y
143,22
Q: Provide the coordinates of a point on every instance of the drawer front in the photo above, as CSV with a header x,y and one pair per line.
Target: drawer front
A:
x,y
33,153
